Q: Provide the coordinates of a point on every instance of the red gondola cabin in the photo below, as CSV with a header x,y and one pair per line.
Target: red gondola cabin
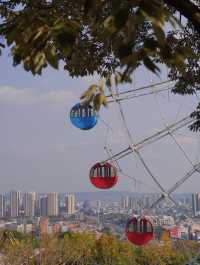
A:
x,y
139,231
103,176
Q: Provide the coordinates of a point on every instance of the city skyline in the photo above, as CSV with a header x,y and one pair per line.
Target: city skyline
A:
x,y
54,213
16,204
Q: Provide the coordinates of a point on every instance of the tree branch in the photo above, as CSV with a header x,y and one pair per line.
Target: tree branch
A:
x,y
188,10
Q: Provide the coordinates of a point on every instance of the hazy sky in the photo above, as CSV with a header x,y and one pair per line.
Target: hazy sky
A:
x,y
40,150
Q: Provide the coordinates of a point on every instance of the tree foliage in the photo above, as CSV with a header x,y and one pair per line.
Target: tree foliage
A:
x,y
86,249
189,83
90,36
105,37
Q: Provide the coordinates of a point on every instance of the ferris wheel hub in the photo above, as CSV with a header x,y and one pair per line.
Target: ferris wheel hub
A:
x,y
165,195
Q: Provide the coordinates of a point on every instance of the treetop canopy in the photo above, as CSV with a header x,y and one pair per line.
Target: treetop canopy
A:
x,y
105,37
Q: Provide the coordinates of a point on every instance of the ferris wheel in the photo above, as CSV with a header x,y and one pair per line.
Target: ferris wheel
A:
x,y
106,173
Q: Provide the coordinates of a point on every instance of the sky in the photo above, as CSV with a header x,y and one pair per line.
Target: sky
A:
x,y
40,149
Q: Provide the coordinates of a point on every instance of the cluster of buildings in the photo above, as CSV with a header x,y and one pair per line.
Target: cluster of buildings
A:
x,y
144,202
30,204
182,221
52,212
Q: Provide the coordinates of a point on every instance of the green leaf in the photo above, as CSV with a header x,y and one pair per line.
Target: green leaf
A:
x,y
105,101
93,88
151,65
150,44
27,64
39,62
160,34
99,99
51,56
86,94
121,17
39,33
109,24
11,36
89,93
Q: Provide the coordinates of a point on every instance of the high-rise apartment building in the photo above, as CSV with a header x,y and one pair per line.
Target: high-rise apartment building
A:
x,y
128,202
2,205
98,205
70,203
14,203
37,205
196,203
125,202
52,204
29,204
43,206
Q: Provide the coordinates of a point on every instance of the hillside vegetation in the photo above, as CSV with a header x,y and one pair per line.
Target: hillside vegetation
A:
x,y
86,249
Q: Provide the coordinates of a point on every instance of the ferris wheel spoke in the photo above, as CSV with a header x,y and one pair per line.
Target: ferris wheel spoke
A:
x,y
153,138
174,138
156,202
176,186
132,144
155,86
113,160
140,95
150,173
134,148
172,200
161,134
116,163
164,196
186,177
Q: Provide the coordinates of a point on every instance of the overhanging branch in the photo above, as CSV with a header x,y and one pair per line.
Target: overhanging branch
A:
x,y
188,10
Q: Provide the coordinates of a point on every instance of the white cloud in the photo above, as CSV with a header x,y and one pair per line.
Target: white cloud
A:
x,y
27,96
